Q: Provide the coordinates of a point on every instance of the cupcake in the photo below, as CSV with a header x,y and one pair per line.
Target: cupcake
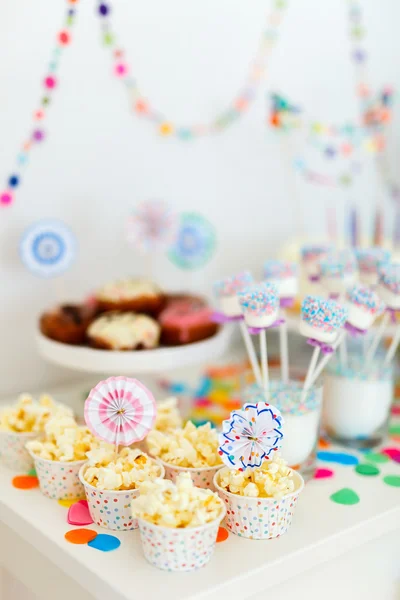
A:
x,y
136,295
124,331
111,482
185,321
59,456
178,523
192,449
22,422
67,323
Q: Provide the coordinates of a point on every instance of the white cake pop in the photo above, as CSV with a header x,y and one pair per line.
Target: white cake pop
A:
x,y
283,274
311,256
338,271
389,285
364,306
370,260
226,292
260,304
321,319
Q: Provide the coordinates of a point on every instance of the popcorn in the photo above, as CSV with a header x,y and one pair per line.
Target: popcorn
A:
x,y
29,415
64,440
273,479
168,415
178,505
127,471
188,447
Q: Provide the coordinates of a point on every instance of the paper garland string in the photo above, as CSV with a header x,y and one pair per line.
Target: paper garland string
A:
x,y
195,243
48,248
152,226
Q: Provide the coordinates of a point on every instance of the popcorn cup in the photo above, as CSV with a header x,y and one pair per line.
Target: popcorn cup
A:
x,y
179,549
111,508
202,477
13,453
59,480
259,518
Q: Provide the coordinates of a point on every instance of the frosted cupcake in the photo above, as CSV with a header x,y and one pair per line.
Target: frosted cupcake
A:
x,y
178,523
137,295
192,449
124,331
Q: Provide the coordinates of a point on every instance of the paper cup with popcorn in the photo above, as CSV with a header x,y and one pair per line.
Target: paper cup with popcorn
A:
x,y
189,449
59,480
259,491
178,523
13,453
109,505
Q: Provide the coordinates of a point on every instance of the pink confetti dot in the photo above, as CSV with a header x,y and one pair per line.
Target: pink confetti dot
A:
x,y
50,82
323,474
6,198
121,70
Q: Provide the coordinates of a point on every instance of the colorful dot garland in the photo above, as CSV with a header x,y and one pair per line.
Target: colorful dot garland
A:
x,y
50,84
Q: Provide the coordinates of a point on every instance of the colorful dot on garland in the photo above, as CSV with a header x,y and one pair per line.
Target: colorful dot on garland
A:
x,y
38,115
104,10
165,129
6,198
64,37
38,135
50,82
13,181
45,101
121,69
108,38
22,159
141,106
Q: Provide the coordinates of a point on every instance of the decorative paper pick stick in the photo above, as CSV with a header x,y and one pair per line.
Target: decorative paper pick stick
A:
x,y
264,362
377,339
248,342
393,346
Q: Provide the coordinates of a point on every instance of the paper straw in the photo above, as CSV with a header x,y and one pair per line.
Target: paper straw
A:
x,y
264,362
393,347
311,369
284,352
377,338
327,358
251,353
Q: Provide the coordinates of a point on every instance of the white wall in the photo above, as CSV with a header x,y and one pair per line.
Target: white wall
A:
x,y
190,59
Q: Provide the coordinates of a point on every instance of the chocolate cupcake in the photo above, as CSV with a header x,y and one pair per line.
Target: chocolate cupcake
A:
x,y
68,323
137,295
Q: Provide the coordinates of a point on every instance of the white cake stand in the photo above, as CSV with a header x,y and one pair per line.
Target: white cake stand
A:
x,y
109,362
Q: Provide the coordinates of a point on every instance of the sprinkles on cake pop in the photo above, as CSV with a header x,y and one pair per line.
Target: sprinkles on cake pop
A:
x,y
338,264
389,277
279,269
326,315
314,251
285,396
231,285
261,299
365,298
371,259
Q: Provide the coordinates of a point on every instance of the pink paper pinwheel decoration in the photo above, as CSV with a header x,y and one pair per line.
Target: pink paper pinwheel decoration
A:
x,y
153,226
250,436
120,411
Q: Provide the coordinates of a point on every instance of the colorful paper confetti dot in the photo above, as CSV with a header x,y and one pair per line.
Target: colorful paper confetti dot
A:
x,y
323,474
80,536
25,482
376,457
79,514
32,472
67,502
64,37
105,542
394,430
6,198
341,458
366,469
345,496
393,453
222,534
393,480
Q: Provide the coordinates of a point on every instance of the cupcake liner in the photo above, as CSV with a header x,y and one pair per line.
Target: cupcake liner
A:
x,y
259,518
59,480
111,508
13,453
202,477
179,549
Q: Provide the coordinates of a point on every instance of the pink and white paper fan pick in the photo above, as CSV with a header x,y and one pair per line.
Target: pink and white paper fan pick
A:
x,y
153,226
120,411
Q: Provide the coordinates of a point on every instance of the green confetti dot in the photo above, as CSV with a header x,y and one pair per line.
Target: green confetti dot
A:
x,y
367,470
32,472
376,457
393,480
394,430
345,496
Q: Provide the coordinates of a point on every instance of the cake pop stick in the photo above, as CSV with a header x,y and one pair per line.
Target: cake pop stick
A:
x,y
393,346
226,292
327,358
284,275
260,308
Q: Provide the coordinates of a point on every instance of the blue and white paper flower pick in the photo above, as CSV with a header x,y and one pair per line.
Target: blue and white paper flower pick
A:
x,y
250,436
48,248
195,242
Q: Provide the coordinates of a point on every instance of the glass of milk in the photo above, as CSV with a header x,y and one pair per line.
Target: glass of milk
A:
x,y
357,401
301,421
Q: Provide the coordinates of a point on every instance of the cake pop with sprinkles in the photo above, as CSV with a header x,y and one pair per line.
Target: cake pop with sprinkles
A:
x,y
370,261
321,319
338,271
226,291
260,304
283,274
311,255
364,306
389,285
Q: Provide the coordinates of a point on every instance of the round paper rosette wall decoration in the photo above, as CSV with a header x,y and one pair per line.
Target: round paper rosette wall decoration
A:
x,y
250,436
120,411
48,248
195,243
152,226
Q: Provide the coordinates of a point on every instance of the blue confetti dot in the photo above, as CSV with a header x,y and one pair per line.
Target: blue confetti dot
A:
x,y
341,458
105,542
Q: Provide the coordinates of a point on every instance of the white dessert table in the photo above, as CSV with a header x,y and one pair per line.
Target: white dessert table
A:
x,y
330,549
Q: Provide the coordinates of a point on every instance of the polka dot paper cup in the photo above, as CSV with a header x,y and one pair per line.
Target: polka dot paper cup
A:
x,y
59,480
111,509
259,518
179,549
201,477
13,453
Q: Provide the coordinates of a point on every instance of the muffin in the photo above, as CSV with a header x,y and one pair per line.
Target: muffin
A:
x,y
68,323
137,295
124,331
186,320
